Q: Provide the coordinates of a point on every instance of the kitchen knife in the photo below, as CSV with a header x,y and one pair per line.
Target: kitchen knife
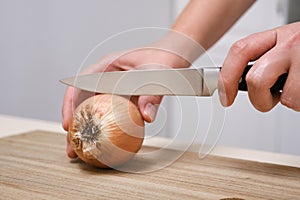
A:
x,y
177,82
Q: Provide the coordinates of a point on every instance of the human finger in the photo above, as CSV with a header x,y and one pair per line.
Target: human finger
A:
x,y
291,92
148,106
67,108
263,75
239,55
69,150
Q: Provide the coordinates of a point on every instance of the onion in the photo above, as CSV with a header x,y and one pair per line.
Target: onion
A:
x,y
106,130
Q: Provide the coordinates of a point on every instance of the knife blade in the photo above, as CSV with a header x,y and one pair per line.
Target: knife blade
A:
x,y
173,82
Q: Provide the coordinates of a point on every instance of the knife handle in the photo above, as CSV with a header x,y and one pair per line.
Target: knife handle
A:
x,y
277,87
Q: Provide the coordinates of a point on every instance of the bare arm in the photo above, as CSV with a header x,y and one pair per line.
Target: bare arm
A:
x,y
207,20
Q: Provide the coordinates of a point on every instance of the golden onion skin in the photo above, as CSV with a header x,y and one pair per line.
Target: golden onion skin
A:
x,y
106,130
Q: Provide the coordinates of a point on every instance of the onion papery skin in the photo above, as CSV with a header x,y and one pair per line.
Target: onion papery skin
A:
x,y
106,130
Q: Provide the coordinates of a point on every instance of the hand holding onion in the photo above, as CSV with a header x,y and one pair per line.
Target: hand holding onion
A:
x,y
122,61
106,130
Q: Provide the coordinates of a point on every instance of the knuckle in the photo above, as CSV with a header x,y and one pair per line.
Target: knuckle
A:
x,y
253,81
292,41
285,102
288,101
240,47
295,38
225,81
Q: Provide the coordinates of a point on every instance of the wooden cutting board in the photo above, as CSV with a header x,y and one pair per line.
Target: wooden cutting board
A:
x,y
34,166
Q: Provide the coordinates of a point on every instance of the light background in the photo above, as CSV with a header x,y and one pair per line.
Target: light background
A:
x,y
44,41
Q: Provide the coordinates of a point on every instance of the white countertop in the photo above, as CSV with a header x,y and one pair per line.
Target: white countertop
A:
x,y
11,125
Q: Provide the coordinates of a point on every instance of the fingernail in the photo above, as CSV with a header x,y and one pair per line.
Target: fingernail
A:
x,y
150,111
70,152
222,97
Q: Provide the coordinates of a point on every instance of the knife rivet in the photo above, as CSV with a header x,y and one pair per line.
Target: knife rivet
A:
x,y
241,79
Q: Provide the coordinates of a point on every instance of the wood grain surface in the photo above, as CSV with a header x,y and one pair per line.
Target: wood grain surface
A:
x,y
34,166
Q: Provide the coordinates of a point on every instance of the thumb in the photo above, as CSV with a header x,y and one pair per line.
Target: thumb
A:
x,y
148,106
67,108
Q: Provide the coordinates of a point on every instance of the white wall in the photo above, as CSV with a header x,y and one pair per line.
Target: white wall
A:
x,y
44,41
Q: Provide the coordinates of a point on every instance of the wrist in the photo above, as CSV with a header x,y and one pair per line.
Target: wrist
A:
x,y
181,46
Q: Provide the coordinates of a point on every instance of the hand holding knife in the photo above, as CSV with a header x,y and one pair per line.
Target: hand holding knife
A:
x,y
172,82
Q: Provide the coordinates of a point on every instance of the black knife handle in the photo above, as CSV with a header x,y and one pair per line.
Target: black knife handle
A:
x,y
277,87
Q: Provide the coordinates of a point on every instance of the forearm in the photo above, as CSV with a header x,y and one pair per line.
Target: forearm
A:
x,y
199,26
206,21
